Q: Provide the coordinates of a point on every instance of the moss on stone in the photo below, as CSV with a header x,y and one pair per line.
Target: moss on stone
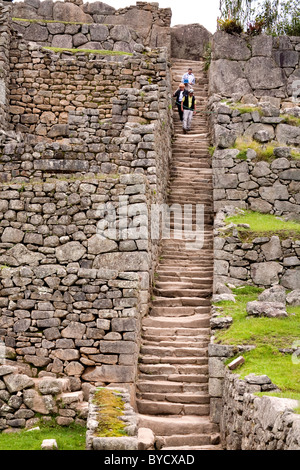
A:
x,y
110,407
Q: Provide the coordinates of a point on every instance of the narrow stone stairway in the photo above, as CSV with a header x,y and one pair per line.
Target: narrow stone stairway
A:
x,y
172,386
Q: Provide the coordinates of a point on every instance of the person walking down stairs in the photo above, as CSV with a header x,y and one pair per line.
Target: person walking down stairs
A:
x,y
188,108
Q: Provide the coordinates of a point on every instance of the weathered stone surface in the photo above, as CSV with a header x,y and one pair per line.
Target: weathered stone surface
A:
x,y
49,444
289,135
72,251
12,235
126,261
263,73
109,373
266,274
273,294
97,244
227,46
262,45
70,12
146,439
17,382
291,279
99,32
227,77
272,250
189,41
293,297
116,443
43,404
266,309
36,32
74,330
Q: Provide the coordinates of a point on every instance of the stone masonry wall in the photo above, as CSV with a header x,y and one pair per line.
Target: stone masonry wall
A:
x,y
5,35
249,422
262,65
88,134
145,21
22,397
79,36
71,299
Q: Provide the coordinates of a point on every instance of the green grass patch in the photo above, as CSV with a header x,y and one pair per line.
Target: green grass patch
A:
x,y
268,335
291,120
110,409
264,152
244,109
87,51
71,437
264,225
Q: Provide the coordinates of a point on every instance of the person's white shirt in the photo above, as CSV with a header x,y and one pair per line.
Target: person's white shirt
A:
x,y
190,77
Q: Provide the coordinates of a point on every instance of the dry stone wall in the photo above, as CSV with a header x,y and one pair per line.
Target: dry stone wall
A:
x,y
79,36
254,111
145,21
89,137
5,36
71,299
22,397
261,64
249,422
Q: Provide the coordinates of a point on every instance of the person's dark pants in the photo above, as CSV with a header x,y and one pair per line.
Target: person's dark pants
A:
x,y
180,112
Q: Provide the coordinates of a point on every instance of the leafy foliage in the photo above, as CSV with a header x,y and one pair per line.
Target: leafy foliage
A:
x,y
275,17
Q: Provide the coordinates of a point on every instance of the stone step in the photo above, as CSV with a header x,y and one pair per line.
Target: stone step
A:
x,y
202,293
179,440
169,369
191,333
165,408
187,378
174,350
180,302
161,386
186,398
173,360
194,448
174,425
177,311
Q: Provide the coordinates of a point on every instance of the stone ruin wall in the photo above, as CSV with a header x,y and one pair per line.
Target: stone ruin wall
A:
x,y
83,131
262,72
145,23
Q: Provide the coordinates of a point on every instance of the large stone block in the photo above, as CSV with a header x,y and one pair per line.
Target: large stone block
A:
x,y
265,274
71,251
289,135
272,250
291,279
109,373
263,73
17,382
125,261
67,11
227,77
189,41
227,46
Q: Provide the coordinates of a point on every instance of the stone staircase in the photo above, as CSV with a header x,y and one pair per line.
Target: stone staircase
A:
x,y
172,386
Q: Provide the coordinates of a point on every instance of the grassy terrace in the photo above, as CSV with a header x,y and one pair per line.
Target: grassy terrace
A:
x,y
264,225
68,438
268,335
